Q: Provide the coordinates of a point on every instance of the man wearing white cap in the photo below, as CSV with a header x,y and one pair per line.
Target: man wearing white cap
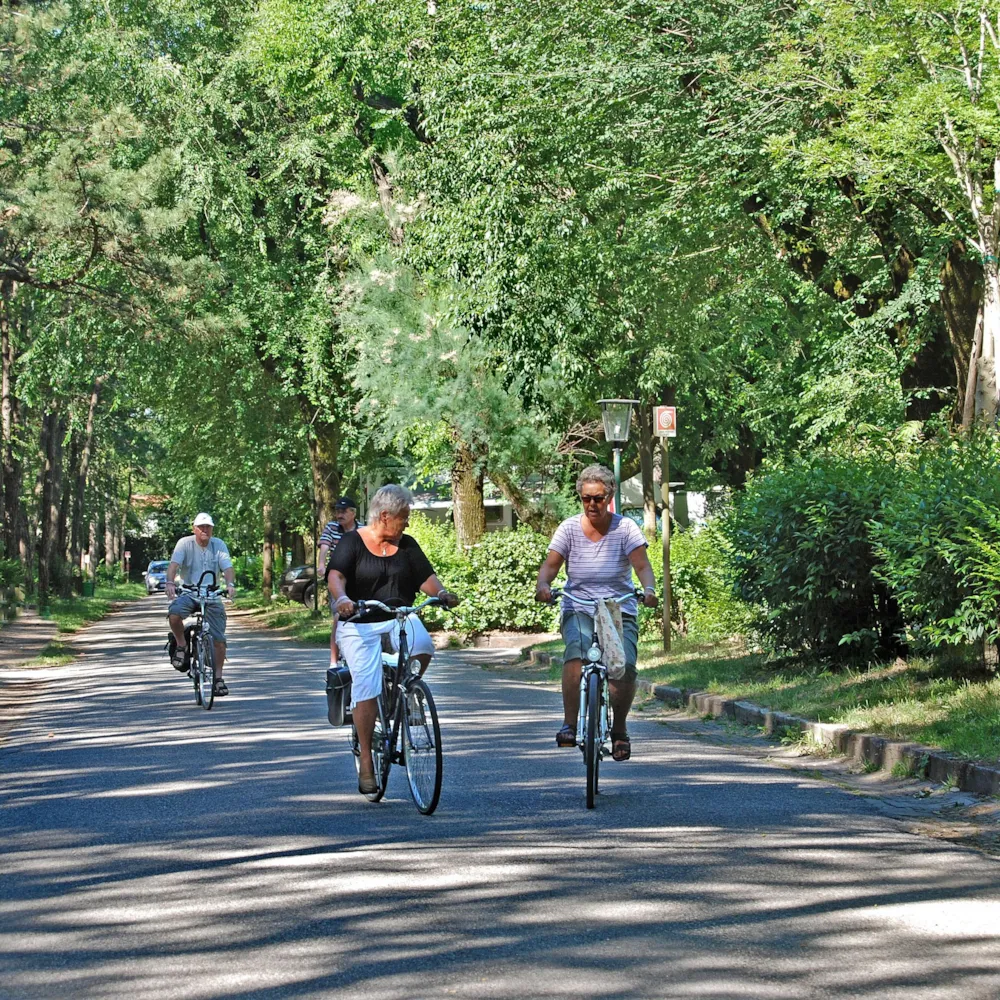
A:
x,y
193,555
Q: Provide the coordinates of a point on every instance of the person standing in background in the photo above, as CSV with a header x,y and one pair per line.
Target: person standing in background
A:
x,y
345,512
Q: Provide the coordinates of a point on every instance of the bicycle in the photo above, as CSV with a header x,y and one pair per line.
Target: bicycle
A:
x,y
593,725
406,723
200,644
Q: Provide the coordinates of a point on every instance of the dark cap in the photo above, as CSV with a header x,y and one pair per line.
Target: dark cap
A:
x,y
344,502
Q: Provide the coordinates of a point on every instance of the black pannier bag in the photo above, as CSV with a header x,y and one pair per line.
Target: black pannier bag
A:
x,y
338,695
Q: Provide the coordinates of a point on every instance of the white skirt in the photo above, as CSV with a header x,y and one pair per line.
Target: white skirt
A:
x,y
361,645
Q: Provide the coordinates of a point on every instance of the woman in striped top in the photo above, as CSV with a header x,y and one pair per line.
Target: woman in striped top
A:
x,y
600,550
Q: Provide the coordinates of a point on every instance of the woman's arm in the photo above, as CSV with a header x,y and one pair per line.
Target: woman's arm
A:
x,y
640,563
432,587
335,583
546,574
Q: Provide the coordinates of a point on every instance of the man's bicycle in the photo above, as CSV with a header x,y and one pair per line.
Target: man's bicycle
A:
x,y
593,722
200,643
406,721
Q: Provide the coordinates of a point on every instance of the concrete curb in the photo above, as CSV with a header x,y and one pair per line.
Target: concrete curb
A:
x,y
920,761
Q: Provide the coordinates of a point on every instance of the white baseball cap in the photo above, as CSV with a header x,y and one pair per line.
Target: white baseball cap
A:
x,y
204,518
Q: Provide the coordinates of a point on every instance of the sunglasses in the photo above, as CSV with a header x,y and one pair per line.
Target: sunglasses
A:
x,y
593,498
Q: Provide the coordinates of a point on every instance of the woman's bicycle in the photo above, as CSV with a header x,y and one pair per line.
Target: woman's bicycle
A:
x,y
593,722
200,643
406,722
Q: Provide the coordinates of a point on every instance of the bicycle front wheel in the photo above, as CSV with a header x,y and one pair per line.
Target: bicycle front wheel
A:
x,y
422,746
592,737
193,646
205,673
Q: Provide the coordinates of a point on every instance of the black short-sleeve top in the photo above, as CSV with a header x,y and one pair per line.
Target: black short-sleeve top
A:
x,y
391,579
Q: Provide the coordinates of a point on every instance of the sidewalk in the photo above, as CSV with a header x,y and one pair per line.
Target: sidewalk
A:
x,y
24,638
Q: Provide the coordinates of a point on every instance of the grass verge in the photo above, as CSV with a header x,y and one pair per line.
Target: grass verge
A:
x,y
297,621
941,701
72,613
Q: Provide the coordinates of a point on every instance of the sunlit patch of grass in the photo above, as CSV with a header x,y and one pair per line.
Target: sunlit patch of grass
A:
x,y
298,621
71,614
55,654
925,700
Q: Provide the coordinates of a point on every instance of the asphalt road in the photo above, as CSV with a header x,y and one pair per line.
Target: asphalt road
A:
x,y
150,849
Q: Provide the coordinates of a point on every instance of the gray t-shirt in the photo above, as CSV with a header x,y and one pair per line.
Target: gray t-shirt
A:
x,y
595,570
194,560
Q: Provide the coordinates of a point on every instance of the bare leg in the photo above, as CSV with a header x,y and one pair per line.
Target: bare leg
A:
x,y
220,656
365,713
177,628
572,669
622,693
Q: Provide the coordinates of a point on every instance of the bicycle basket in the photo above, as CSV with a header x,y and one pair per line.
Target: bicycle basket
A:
x,y
338,695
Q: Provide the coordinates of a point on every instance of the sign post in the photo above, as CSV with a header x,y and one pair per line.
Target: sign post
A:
x,y
665,427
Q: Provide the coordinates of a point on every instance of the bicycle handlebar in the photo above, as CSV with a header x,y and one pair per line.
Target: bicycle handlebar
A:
x,y
363,607
557,592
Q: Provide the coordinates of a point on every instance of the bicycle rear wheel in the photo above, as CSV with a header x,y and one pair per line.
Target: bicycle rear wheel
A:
x,y
422,746
381,755
592,737
205,673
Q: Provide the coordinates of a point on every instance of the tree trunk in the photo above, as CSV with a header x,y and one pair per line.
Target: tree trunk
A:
x,y
298,549
80,493
49,512
324,452
969,400
986,371
267,556
468,508
10,466
92,545
110,537
647,447
539,519
67,527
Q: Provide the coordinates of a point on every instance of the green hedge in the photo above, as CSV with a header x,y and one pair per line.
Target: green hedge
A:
x,y
938,540
803,556
497,581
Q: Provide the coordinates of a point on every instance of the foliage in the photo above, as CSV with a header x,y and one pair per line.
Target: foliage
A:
x,y
803,556
11,574
937,537
500,585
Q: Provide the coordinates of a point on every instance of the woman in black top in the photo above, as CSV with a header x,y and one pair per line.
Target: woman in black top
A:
x,y
378,562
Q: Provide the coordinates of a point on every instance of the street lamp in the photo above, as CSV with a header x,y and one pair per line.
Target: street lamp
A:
x,y
617,416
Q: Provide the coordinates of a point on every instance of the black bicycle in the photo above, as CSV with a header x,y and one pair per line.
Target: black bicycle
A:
x,y
593,723
200,643
406,723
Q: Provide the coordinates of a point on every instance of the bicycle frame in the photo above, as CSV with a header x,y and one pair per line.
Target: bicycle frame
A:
x,y
399,719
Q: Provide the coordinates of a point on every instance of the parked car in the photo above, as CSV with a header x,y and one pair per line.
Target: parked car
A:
x,y
299,584
156,576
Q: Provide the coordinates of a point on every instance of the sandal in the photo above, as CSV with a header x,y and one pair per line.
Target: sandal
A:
x,y
179,660
621,747
566,737
219,689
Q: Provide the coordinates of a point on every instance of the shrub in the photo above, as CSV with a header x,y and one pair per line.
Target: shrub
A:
x,y
703,605
500,590
11,574
802,554
938,539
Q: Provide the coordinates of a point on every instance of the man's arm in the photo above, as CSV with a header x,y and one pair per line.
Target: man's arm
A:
x,y
171,588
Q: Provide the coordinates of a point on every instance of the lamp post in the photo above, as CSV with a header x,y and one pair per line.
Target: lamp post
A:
x,y
617,417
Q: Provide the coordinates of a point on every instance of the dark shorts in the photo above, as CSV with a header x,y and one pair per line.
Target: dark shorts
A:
x,y
578,629
185,605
